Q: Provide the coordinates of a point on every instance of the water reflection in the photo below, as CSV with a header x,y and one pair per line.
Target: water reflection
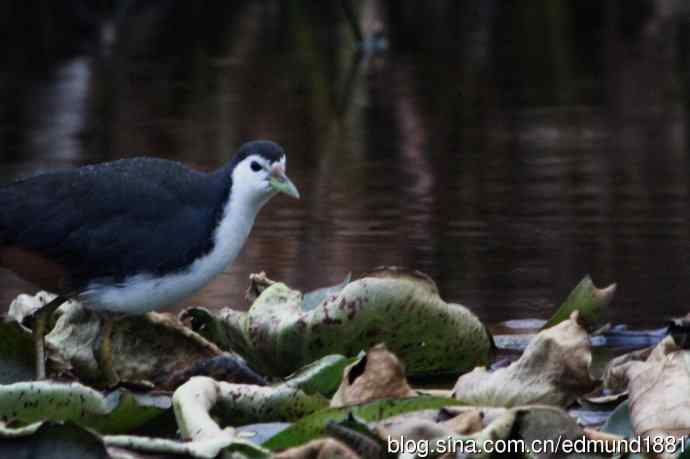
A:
x,y
59,108
506,175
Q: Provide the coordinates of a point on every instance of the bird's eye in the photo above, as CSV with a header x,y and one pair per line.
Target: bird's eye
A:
x,y
256,167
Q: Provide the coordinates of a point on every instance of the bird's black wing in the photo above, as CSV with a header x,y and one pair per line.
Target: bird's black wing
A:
x,y
139,215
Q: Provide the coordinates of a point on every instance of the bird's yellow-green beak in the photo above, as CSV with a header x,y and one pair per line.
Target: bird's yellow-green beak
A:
x,y
281,183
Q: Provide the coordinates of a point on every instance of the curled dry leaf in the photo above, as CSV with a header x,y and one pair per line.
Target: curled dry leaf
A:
x,y
413,431
473,426
378,374
452,422
319,449
25,306
258,282
397,307
466,422
615,378
463,419
434,439
546,424
153,347
659,397
553,370
432,415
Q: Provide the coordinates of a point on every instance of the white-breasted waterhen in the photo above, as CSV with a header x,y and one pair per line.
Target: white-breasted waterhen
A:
x,y
134,235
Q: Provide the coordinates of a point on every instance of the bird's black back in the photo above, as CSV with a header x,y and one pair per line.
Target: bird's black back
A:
x,y
107,221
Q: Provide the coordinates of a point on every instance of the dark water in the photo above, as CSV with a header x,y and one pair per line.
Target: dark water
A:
x,y
506,149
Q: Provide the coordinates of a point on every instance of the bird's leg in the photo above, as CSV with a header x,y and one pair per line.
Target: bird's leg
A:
x,y
104,349
38,330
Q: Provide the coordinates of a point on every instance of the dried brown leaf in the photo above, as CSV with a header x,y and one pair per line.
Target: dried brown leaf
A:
x,y
553,370
378,375
319,449
659,397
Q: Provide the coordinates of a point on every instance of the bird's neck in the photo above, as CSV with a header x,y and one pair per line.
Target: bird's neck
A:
x,y
239,214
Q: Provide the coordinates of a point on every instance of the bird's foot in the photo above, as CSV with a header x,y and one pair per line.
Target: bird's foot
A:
x,y
38,332
104,353
39,323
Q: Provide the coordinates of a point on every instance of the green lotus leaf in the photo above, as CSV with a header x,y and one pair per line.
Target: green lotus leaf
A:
x,y
314,425
586,298
120,411
321,377
399,308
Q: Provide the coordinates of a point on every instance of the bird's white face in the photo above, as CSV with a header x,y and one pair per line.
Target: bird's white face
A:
x,y
257,179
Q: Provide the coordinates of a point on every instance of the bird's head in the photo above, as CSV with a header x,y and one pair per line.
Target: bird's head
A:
x,y
259,171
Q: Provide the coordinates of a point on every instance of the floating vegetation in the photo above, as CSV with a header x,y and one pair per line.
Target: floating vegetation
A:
x,y
325,374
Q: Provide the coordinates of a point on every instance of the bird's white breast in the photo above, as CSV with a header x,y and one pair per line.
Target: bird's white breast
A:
x,y
143,293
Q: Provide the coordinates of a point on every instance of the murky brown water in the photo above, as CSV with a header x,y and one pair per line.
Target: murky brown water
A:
x,y
504,168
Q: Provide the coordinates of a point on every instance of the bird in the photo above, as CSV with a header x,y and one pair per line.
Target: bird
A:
x,y
133,235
